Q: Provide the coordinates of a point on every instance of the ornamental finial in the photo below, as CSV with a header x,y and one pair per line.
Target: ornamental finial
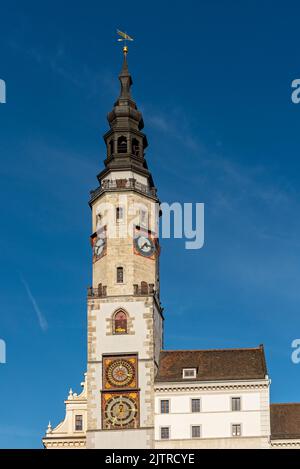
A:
x,y
49,428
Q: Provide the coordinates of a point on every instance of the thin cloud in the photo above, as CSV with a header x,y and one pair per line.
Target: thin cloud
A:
x,y
62,64
40,316
179,131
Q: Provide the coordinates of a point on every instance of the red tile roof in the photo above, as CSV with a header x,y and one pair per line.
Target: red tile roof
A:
x,y
285,421
213,365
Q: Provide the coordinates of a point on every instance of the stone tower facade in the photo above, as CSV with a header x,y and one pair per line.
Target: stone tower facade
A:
x,y
125,322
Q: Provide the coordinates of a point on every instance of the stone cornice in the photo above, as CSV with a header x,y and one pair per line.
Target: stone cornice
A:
x,y
63,442
185,387
285,443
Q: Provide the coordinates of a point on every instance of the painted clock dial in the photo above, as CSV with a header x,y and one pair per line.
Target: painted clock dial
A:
x,y
121,411
120,373
99,247
144,245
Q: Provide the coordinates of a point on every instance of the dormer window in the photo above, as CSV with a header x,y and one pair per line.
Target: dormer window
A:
x,y
189,373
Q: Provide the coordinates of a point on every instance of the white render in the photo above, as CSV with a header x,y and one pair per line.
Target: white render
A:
x,y
215,417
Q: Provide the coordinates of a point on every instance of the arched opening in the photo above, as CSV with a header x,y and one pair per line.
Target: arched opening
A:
x,y
120,322
111,146
122,144
135,144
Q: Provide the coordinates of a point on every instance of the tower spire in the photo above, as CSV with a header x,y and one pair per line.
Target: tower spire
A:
x,y
125,141
125,78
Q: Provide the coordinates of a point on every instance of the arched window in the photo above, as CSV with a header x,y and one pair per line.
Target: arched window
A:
x,y
120,275
111,147
120,322
122,144
135,147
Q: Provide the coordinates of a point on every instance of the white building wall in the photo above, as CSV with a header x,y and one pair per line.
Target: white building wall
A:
x,y
215,416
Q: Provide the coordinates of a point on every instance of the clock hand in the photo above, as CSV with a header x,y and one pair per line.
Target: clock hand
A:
x,y
147,243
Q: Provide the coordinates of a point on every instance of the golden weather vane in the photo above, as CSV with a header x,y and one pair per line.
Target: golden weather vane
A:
x,y
124,37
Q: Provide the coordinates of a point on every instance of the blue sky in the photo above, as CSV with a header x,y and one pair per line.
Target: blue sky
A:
x,y
213,80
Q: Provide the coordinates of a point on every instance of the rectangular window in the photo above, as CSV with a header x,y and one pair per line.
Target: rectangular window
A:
x,y
78,423
143,218
196,431
164,433
235,404
119,213
164,406
189,373
195,405
120,275
236,429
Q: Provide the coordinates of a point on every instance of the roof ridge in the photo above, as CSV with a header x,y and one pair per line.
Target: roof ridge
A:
x,y
212,349
284,403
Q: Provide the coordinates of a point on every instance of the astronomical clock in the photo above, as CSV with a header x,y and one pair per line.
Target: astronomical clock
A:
x,y
120,395
120,410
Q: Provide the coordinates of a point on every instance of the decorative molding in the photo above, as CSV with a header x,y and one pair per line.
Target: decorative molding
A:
x,y
285,444
207,387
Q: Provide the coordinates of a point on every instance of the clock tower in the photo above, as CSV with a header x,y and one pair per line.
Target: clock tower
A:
x,y
125,322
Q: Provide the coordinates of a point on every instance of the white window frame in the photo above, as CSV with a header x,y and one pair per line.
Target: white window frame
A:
x,y
160,429
195,399
241,431
164,413
231,403
196,437
189,369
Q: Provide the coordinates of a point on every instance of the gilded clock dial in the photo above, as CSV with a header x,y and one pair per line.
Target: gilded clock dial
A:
x,y
120,373
121,411
144,245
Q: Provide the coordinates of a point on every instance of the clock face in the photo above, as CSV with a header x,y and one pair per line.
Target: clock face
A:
x,y
99,247
120,373
121,411
144,245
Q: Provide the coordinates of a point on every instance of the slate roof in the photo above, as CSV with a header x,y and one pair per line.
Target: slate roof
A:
x,y
213,365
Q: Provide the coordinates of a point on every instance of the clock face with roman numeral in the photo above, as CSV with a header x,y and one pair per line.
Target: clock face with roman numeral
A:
x,y
120,373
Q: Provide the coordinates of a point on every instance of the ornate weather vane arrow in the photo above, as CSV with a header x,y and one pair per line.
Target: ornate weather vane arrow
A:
x,y
124,38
